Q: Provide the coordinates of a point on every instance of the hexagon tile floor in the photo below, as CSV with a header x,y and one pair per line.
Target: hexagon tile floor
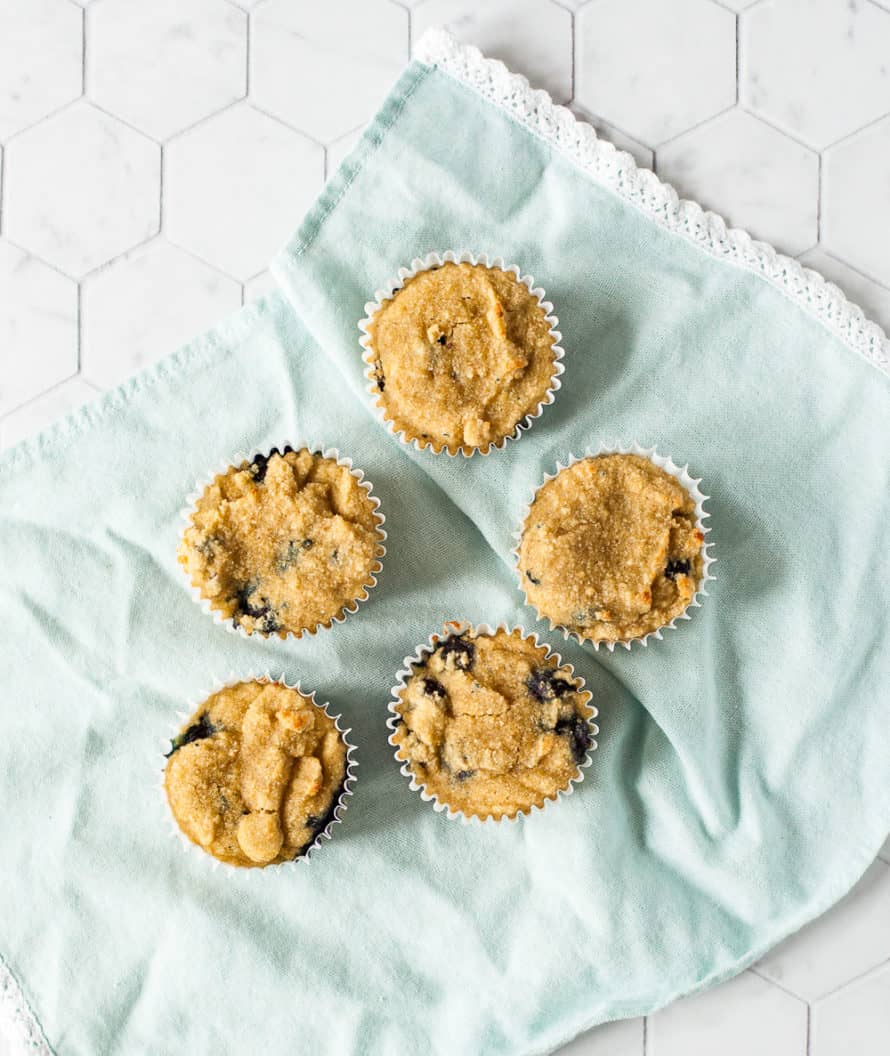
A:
x,y
155,153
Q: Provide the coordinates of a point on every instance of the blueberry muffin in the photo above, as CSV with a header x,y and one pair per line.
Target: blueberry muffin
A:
x,y
611,548
491,725
284,543
256,774
459,356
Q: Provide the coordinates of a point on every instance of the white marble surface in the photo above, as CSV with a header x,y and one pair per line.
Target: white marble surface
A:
x,y
155,153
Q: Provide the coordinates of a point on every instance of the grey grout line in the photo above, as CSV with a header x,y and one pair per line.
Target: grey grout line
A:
x,y
884,285
46,117
83,52
738,57
160,236
809,1039
695,127
203,260
572,53
745,108
46,263
162,173
39,396
590,117
819,188
410,31
645,1036
116,117
753,969
79,327
855,132
240,101
248,49
856,979
284,124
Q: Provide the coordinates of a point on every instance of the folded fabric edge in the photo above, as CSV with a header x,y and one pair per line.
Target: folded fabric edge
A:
x,y
229,330
18,1020
616,170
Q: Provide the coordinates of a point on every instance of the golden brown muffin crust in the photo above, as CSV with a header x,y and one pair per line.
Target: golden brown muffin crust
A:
x,y
492,726
282,544
611,548
255,774
460,355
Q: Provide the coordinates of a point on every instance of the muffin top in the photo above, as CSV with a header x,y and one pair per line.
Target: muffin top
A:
x,y
284,543
491,725
460,355
255,774
611,548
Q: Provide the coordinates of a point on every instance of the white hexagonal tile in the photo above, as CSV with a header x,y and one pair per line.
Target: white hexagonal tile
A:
x,y
236,186
848,940
41,65
819,71
145,305
41,412
533,37
856,200
744,1016
737,5
163,66
754,176
871,297
80,188
641,154
623,1038
856,1020
38,327
325,68
654,69
259,286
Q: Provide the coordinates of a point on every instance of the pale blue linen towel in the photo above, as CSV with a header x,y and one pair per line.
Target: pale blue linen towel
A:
x,y
742,782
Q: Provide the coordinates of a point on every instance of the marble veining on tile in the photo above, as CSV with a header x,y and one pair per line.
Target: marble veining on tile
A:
x,y
249,168
140,54
655,69
533,37
856,200
41,46
324,68
148,301
79,188
817,70
750,174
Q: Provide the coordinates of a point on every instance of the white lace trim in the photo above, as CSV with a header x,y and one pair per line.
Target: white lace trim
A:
x,y
617,170
18,1020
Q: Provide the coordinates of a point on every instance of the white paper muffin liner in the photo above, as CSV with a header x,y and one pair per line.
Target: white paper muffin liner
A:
x,y
690,483
194,849
428,263
188,511
421,654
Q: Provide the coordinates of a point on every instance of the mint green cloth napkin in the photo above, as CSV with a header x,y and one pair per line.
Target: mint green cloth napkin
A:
x,y
742,782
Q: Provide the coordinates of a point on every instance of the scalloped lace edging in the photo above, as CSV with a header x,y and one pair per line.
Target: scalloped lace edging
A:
x,y
19,1022
618,171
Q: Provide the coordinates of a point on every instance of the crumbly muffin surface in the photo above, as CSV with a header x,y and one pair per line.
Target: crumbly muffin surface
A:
x,y
282,544
611,549
491,726
255,774
460,355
